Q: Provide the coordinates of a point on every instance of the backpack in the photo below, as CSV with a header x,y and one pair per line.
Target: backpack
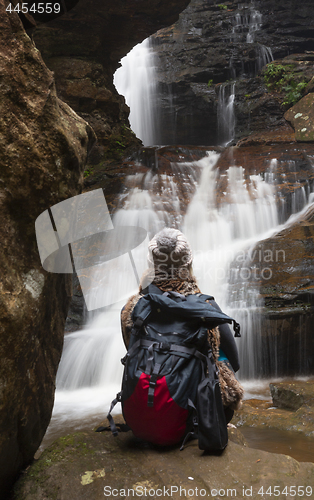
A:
x,y
170,387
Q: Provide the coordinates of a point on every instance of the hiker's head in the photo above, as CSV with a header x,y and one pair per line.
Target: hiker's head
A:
x,y
169,253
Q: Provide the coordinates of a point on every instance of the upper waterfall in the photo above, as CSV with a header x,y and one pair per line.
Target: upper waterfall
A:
x,y
136,82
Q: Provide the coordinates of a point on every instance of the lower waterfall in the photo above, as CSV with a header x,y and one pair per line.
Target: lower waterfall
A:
x,y
221,235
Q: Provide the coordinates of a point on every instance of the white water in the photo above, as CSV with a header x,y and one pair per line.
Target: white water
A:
x,y
246,22
135,80
225,113
90,370
264,56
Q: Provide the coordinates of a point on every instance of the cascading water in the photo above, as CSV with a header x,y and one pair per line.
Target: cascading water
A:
x,y
246,22
225,113
264,56
136,82
221,235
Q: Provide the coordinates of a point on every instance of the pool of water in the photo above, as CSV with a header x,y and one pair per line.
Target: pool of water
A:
x,y
294,444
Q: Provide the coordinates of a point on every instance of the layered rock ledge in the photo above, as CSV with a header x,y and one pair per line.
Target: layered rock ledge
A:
x,y
89,465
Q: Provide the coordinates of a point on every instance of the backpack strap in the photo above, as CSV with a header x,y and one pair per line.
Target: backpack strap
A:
x,y
113,427
152,385
194,433
151,346
150,359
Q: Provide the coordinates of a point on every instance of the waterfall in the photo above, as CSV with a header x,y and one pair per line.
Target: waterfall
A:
x,y
136,82
225,113
246,22
255,24
264,56
221,238
222,233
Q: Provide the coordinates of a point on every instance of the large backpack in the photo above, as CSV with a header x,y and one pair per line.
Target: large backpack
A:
x,y
170,384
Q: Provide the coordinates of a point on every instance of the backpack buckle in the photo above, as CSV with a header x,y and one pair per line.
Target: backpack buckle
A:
x,y
124,359
164,346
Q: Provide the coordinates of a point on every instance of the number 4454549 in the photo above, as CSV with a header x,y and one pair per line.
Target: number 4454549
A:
x,y
39,8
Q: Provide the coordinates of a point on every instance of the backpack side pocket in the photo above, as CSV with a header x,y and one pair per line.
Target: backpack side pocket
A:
x,y
212,426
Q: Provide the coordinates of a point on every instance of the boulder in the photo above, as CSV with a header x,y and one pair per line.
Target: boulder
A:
x,y
301,116
259,414
292,395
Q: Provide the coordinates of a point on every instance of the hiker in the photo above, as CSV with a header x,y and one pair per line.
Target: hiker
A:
x,y
170,258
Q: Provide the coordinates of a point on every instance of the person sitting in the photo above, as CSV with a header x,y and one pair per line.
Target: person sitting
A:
x,y
170,261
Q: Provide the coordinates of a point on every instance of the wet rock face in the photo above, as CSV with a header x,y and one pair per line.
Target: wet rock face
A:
x,y
43,151
286,266
213,43
84,48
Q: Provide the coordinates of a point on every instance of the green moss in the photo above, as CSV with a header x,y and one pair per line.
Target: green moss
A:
x,y
88,172
284,79
118,143
67,449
